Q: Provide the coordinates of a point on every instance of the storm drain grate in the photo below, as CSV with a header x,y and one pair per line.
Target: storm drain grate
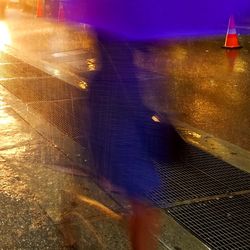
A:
x,y
20,70
221,224
65,115
198,175
42,89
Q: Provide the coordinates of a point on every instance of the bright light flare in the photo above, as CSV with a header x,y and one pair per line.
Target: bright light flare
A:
x,y
5,118
5,37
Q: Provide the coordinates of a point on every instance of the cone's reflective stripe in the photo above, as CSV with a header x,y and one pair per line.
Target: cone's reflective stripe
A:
x,y
231,31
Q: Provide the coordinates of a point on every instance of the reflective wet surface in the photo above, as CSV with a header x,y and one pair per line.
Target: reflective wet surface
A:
x,y
40,190
209,87
205,84
196,81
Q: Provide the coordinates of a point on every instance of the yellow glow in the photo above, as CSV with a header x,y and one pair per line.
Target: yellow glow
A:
x,y
179,53
5,38
155,118
2,103
6,121
83,85
194,134
91,64
5,118
56,72
100,207
240,65
202,109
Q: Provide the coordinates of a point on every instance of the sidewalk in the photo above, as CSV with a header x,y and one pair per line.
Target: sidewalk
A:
x,y
36,193
46,43
67,53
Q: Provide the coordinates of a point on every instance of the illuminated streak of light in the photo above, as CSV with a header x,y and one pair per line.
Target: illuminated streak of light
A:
x,y
91,64
100,207
5,38
83,85
5,118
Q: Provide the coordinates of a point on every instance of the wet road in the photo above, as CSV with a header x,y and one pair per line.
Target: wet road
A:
x,y
207,86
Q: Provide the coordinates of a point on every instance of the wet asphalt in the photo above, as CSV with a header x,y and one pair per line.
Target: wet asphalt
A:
x,y
208,86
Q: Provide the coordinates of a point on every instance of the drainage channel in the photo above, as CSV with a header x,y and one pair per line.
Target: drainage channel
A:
x,y
221,224
198,175
208,197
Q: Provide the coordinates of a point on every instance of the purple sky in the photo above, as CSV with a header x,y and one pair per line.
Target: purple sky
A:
x,y
146,19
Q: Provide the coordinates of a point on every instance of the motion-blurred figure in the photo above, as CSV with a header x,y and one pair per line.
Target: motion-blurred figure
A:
x,y
120,156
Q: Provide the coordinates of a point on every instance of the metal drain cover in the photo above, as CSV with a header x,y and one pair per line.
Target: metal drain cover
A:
x,y
221,224
198,175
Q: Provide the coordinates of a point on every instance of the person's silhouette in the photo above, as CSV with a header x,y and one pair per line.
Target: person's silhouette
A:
x,y
118,151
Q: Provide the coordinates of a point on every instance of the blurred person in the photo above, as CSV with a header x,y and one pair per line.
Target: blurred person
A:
x,y
119,152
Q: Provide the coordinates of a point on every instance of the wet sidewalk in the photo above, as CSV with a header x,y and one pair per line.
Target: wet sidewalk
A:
x,y
38,191
69,53
53,46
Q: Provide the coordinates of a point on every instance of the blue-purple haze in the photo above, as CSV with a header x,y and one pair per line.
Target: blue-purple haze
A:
x,y
149,19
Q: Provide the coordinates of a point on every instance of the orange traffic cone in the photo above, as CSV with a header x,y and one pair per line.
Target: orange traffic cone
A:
x,y
39,10
61,15
231,41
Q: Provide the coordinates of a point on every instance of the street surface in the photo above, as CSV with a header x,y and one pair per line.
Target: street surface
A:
x,y
204,88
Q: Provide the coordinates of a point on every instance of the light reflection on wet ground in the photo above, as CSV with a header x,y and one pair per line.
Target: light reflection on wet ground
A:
x,y
204,88
205,85
21,217
32,182
5,36
37,182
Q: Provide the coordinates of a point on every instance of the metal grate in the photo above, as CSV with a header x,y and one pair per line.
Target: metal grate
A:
x,y
64,115
15,70
42,89
5,58
221,224
199,174
61,104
